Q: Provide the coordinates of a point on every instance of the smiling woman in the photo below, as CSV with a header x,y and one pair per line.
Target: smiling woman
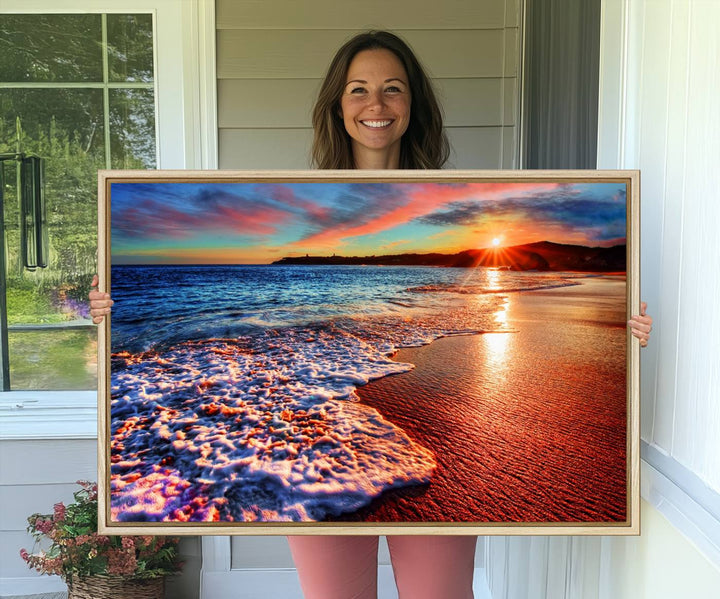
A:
x,y
375,107
376,79
381,123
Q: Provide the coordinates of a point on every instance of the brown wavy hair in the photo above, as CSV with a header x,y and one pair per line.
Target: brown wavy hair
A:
x,y
423,146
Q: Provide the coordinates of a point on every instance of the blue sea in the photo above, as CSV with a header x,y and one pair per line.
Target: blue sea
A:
x,y
159,306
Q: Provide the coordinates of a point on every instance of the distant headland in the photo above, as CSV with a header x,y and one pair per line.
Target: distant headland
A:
x,y
542,255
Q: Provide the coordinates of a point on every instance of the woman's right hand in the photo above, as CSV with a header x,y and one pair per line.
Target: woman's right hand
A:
x,y
641,325
100,303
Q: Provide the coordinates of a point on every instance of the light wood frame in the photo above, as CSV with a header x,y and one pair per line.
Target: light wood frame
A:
x,y
629,526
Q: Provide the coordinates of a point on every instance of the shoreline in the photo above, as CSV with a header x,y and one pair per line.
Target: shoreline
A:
x,y
514,441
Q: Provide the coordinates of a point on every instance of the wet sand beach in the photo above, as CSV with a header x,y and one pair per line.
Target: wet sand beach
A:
x,y
526,425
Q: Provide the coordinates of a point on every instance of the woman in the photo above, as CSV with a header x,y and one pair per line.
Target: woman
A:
x,y
346,136
377,110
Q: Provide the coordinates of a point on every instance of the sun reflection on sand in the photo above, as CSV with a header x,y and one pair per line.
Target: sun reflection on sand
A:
x,y
501,316
496,344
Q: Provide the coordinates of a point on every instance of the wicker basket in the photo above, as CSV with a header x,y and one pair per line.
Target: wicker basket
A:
x,y
116,587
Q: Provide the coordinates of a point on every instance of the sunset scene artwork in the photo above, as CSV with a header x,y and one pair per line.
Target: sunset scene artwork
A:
x,y
449,352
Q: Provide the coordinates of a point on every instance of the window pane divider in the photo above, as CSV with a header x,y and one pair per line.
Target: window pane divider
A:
x,y
50,326
106,90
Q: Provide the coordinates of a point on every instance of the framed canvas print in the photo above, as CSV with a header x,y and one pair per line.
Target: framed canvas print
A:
x,y
369,352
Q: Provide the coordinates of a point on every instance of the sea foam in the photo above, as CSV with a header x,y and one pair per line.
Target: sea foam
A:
x,y
265,431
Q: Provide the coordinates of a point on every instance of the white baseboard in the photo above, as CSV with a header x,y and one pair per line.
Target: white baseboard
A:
x,y
697,523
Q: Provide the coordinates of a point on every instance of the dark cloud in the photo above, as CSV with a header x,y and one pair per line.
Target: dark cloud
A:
x,y
605,216
358,204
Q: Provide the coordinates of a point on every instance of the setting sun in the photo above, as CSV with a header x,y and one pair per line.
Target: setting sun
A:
x,y
496,241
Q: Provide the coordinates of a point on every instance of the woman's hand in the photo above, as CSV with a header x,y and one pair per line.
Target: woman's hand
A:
x,y
641,325
100,303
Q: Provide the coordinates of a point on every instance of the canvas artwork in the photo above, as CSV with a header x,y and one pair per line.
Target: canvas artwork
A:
x,y
308,352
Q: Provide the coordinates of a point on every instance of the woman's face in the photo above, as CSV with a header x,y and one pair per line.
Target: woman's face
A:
x,y
375,104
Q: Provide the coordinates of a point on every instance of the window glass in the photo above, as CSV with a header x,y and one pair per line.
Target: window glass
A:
x,y
130,47
36,48
52,342
54,123
132,128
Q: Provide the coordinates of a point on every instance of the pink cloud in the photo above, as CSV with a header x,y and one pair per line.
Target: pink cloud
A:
x,y
154,219
423,199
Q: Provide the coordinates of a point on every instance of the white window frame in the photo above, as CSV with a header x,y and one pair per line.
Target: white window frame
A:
x,y
186,130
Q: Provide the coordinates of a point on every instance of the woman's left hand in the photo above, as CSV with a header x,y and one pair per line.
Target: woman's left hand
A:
x,y
641,325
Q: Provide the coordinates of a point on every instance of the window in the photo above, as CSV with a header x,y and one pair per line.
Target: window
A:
x,y
78,91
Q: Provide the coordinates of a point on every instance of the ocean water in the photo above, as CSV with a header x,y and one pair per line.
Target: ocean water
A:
x,y
159,306
233,388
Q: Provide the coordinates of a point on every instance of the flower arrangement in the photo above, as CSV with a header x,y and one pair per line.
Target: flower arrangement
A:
x,y
77,550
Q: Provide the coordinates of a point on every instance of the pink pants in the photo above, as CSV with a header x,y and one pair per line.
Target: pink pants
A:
x,y
345,567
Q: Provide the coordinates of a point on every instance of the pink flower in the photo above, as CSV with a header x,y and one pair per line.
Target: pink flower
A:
x,y
121,562
53,565
44,526
24,555
59,510
128,543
